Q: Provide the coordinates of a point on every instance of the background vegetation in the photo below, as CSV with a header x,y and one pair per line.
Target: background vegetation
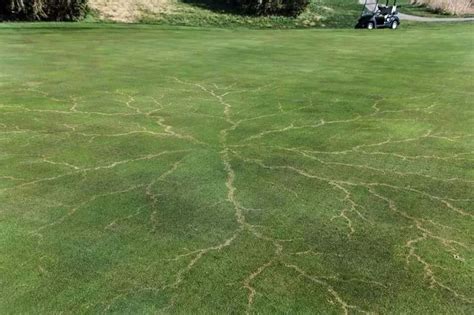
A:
x,y
220,13
320,13
272,7
76,9
52,10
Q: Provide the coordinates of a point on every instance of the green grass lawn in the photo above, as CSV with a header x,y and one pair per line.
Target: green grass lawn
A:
x,y
146,169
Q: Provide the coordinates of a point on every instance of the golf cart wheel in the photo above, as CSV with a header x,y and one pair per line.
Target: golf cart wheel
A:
x,y
394,25
370,25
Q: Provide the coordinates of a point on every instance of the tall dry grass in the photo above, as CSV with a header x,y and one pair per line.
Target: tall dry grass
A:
x,y
458,7
129,10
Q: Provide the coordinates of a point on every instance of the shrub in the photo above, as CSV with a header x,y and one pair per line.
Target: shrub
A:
x,y
49,10
273,7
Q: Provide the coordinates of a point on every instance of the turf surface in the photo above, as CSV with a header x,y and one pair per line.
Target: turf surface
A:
x,y
148,170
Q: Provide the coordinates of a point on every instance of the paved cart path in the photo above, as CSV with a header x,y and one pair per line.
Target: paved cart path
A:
x,y
407,17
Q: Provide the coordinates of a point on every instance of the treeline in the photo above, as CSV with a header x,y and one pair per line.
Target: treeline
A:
x,y
48,10
74,10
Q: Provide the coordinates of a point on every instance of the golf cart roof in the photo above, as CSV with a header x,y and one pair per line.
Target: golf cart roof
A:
x,y
373,5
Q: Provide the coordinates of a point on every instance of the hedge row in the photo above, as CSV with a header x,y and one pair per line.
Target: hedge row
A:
x,y
48,10
273,7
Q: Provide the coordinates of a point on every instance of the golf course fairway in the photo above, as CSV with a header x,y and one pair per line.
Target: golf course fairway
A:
x,y
150,169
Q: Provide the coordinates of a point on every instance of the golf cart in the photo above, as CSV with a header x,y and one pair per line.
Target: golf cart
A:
x,y
375,15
